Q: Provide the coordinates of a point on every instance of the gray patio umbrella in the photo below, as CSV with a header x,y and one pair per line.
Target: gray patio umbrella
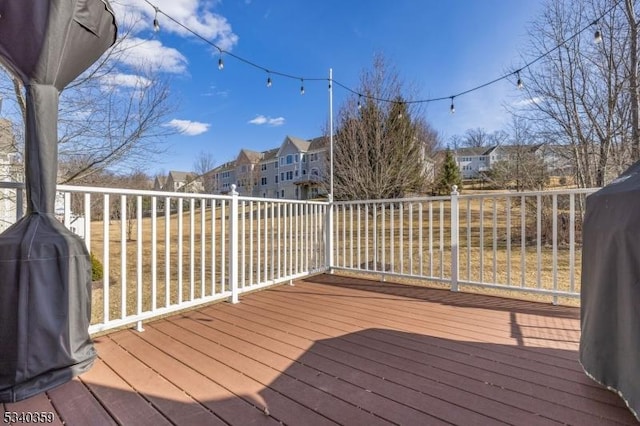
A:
x,y
610,291
45,271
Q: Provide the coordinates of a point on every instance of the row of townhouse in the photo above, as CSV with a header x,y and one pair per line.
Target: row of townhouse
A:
x,y
473,162
295,170
178,181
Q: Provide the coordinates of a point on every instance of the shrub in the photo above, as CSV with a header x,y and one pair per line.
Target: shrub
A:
x,y
96,268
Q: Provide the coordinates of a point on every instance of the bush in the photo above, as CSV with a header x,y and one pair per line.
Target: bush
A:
x,y
96,268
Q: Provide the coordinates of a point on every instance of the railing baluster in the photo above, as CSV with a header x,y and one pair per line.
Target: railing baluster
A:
x,y
154,254
167,251
192,248
123,256
106,256
139,260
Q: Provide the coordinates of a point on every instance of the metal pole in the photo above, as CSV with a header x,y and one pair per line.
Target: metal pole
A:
x,y
331,134
329,226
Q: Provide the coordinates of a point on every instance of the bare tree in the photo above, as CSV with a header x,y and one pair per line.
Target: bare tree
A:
x,y
110,116
202,165
380,146
580,91
476,138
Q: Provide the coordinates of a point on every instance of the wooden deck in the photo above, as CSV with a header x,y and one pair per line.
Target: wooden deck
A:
x,y
336,350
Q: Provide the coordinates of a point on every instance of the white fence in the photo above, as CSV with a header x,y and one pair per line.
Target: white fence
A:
x,y
162,252
524,241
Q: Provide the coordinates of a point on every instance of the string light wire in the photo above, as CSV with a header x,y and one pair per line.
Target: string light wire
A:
x,y
374,98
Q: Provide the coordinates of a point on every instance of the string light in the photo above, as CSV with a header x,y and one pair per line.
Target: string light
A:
x,y
597,35
156,24
519,82
302,86
220,61
597,39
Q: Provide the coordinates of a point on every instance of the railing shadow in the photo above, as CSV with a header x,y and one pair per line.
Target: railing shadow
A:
x,y
445,297
373,376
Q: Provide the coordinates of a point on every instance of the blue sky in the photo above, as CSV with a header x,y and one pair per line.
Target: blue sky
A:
x,y
439,47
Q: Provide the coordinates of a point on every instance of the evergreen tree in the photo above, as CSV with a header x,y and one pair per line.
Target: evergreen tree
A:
x,y
449,175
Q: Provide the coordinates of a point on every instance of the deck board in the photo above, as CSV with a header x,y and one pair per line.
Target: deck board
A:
x,y
337,350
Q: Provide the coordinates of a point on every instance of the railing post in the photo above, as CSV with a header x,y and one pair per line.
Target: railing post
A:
x,y
454,238
233,245
328,256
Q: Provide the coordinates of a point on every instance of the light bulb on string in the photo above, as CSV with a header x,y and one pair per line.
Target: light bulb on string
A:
x,y
156,24
452,108
220,62
302,86
359,102
269,81
519,83
597,35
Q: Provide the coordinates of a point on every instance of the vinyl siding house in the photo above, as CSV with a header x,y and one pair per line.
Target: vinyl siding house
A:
x,y
182,181
293,171
473,162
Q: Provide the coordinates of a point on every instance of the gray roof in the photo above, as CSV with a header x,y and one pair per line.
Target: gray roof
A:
x,y
319,143
301,144
252,156
270,154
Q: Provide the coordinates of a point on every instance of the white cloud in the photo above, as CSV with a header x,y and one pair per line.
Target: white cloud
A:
x,y
193,14
528,102
125,80
259,120
188,127
142,54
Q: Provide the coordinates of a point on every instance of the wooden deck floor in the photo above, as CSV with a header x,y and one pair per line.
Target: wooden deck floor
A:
x,y
336,350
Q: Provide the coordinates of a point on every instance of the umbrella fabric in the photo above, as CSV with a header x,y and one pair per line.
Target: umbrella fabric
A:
x,y
45,289
610,289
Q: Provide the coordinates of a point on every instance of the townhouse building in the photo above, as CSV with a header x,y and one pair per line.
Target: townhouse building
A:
x,y
475,161
294,170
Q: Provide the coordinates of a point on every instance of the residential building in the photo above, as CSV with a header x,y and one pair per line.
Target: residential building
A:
x,y
179,181
294,170
473,162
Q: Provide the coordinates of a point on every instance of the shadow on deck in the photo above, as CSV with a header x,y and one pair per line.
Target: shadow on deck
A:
x,y
337,350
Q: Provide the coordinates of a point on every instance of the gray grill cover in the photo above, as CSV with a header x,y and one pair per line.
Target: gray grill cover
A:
x,y
45,271
610,291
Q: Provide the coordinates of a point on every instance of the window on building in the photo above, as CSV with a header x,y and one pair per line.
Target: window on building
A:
x,y
289,159
263,181
297,192
303,157
275,165
296,158
282,161
281,176
263,167
282,193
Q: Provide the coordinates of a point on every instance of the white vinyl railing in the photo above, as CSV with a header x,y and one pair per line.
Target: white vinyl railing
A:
x,y
517,241
166,251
